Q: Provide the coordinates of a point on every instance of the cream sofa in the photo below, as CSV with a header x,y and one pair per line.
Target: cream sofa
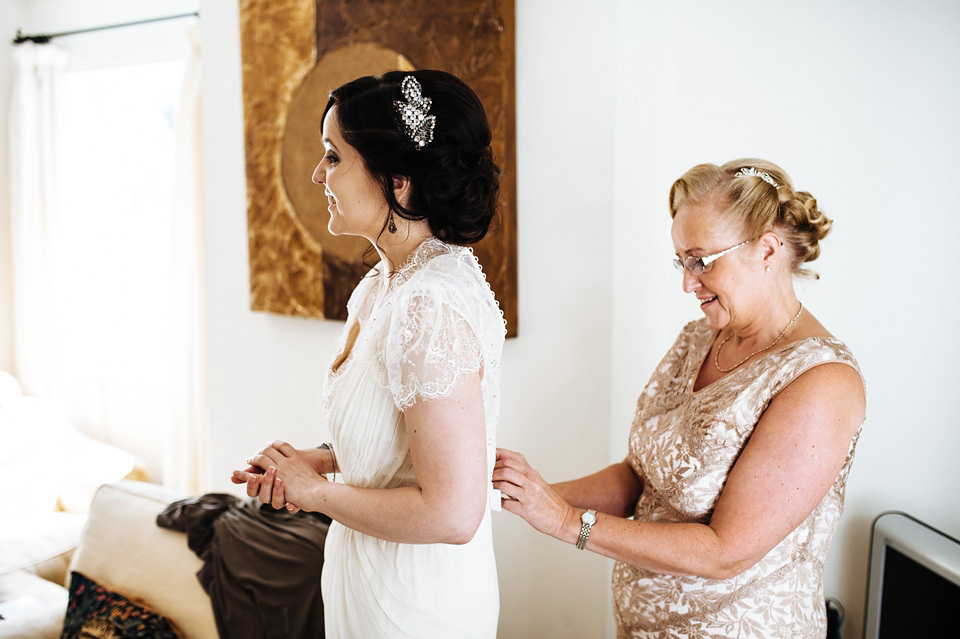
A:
x,y
54,504
122,549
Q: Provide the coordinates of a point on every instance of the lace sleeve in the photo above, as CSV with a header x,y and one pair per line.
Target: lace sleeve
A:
x,y
430,345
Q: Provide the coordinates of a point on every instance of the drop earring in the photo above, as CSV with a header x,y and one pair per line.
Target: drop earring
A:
x,y
391,225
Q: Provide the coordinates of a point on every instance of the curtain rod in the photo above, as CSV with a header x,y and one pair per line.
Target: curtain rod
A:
x,y
43,39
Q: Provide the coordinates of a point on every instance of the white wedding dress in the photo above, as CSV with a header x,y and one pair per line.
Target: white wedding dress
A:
x,y
420,331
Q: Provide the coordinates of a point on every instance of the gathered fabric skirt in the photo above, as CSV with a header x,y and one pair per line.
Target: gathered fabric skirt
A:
x,y
377,588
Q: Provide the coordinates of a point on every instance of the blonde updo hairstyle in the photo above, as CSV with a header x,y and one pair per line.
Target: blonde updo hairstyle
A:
x,y
757,206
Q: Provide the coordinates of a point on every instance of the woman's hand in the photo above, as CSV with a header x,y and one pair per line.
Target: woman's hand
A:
x,y
320,459
528,495
282,476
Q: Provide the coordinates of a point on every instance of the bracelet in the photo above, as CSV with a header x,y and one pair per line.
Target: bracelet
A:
x,y
333,455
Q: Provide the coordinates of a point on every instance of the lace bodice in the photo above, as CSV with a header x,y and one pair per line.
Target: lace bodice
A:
x,y
435,320
683,444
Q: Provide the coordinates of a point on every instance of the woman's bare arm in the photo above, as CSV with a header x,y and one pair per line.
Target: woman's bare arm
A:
x,y
448,446
789,464
613,490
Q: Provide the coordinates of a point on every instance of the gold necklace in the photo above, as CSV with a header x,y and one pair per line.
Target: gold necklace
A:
x,y
716,359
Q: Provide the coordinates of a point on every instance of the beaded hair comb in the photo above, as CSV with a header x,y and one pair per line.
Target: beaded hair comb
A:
x,y
752,172
413,113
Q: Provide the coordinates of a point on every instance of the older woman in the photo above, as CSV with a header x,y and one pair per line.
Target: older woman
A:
x,y
721,516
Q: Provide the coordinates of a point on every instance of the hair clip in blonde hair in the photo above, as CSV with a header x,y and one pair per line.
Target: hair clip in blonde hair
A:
x,y
752,172
413,113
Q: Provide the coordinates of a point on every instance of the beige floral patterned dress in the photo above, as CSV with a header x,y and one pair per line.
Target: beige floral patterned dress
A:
x,y
683,444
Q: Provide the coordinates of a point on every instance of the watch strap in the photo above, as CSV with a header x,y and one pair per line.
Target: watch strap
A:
x,y
585,530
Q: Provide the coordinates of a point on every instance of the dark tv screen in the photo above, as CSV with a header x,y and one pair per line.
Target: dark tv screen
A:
x,y
915,601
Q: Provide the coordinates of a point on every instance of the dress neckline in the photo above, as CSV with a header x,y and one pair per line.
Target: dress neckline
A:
x,y
704,360
425,251
380,295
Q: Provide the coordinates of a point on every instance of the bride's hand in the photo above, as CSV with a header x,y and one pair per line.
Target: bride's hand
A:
x,y
319,459
281,476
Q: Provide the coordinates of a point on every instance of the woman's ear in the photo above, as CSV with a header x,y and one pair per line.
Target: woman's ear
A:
x,y
771,248
401,190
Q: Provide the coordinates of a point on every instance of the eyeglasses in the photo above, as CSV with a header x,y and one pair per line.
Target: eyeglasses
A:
x,y
697,265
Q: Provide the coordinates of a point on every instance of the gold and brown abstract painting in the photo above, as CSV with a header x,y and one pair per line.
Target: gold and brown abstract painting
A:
x,y
294,53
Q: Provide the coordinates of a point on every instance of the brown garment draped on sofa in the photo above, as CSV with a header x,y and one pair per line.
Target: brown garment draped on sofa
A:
x,y
261,566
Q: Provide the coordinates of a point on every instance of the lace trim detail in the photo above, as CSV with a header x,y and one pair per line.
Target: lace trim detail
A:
x,y
444,324
432,347
438,321
428,249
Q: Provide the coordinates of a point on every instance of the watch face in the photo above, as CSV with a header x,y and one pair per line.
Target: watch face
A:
x,y
588,518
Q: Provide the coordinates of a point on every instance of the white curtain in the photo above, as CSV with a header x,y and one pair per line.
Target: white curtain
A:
x,y
108,287
186,466
34,212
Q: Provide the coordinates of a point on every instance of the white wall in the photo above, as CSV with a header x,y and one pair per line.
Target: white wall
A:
x,y
557,372
858,101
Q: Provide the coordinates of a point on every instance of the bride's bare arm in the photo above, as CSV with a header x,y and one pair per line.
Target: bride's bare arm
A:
x,y
448,447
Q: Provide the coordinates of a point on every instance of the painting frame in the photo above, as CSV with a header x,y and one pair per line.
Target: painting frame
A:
x,y
292,271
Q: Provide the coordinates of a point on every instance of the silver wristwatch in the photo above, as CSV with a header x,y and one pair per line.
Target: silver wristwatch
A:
x,y
587,520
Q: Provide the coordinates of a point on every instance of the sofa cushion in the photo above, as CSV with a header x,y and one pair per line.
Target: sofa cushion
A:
x,y
40,543
37,441
32,430
9,388
96,612
112,464
31,606
124,550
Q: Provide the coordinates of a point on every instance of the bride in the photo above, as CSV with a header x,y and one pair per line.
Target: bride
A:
x,y
412,396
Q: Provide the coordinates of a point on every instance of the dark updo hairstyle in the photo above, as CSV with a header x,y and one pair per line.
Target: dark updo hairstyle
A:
x,y
757,206
454,180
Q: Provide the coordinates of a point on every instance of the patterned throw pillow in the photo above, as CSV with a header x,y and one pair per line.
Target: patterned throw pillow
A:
x,y
93,612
